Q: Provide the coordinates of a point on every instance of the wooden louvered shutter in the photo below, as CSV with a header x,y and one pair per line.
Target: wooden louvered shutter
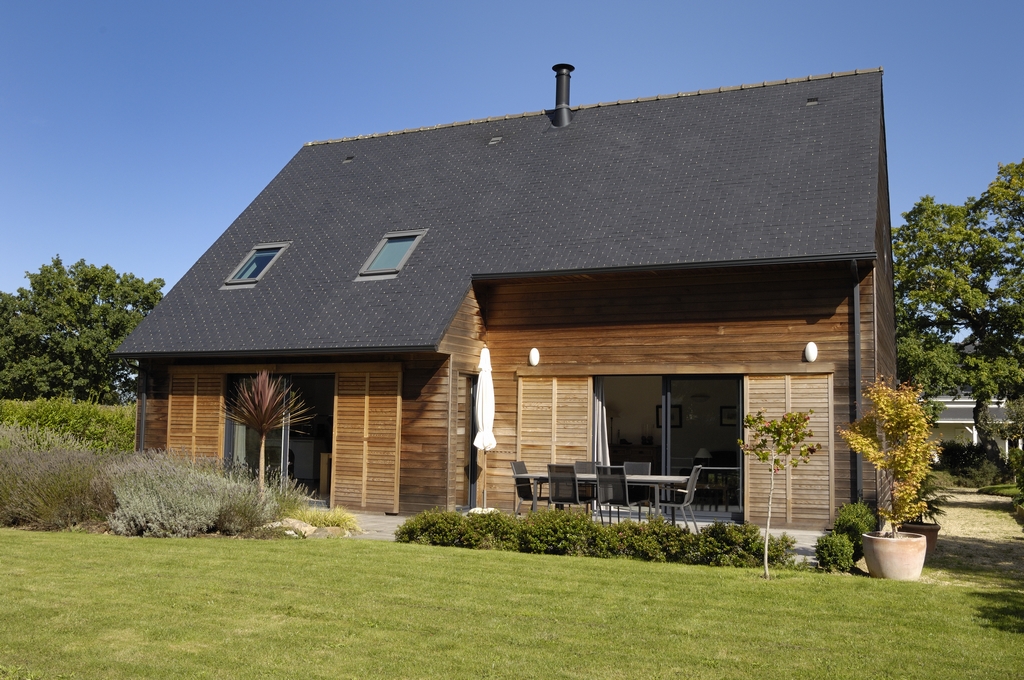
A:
x,y
195,427
553,424
804,497
367,433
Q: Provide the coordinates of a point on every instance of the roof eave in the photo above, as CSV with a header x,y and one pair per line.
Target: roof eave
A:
x,y
807,259
320,351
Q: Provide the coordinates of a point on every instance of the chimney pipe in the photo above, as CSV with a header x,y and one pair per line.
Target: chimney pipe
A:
x,y
562,72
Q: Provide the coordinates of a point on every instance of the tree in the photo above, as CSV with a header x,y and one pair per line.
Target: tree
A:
x,y
57,335
772,442
893,435
959,272
263,405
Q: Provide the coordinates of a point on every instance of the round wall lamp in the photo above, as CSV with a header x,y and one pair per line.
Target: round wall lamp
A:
x,y
811,352
534,356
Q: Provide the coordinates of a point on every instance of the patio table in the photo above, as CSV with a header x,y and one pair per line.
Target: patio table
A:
x,y
659,482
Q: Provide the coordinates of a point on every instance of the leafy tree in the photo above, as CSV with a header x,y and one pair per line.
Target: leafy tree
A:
x,y
894,436
263,405
773,442
57,335
959,273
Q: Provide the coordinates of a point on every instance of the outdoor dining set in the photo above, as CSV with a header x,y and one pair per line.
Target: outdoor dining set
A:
x,y
626,486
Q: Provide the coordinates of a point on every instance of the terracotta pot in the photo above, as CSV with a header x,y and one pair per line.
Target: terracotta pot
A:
x,y
929,530
900,559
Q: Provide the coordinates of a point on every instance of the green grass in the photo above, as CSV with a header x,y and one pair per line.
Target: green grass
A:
x,y
1008,490
103,606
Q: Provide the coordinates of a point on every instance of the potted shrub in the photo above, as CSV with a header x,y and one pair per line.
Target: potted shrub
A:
x,y
893,436
930,493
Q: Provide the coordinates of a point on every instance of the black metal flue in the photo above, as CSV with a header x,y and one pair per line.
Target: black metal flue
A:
x,y
562,113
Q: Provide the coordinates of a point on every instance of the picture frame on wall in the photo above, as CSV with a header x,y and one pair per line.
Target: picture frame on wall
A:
x,y
677,416
728,416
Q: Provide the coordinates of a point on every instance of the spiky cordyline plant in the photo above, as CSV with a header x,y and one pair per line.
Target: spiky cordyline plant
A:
x,y
263,404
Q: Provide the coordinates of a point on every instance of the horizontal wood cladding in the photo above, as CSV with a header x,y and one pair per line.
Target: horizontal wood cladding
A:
x,y
754,320
464,338
426,432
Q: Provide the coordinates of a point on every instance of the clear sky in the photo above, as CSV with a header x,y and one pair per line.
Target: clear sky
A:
x,y
133,133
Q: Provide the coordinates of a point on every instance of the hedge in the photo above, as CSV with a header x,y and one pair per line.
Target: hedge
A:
x,y
102,428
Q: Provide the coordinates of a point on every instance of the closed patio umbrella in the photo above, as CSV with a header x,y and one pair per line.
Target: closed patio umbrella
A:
x,y
483,410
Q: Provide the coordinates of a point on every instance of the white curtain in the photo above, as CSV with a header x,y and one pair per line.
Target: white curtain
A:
x,y
600,420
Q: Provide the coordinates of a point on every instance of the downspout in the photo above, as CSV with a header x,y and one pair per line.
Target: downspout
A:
x,y
858,479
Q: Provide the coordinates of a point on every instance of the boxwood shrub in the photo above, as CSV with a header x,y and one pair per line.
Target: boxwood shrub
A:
x,y
853,520
560,532
834,552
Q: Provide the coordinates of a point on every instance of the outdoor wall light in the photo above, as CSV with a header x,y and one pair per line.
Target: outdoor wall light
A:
x,y
811,352
534,356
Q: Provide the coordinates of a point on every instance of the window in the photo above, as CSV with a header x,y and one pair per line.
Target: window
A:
x,y
256,263
390,255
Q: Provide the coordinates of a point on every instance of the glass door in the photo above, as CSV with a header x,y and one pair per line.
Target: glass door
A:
x,y
704,430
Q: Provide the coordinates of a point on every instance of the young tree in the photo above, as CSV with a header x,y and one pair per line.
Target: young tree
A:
x,y
56,336
894,436
263,405
959,272
773,442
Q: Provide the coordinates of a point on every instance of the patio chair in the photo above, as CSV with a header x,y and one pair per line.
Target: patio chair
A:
x,y
562,486
524,485
640,493
612,491
587,490
683,499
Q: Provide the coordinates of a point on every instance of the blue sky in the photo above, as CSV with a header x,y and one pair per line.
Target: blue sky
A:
x,y
132,134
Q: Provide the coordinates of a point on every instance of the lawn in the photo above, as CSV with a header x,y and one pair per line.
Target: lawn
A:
x,y
1009,490
100,606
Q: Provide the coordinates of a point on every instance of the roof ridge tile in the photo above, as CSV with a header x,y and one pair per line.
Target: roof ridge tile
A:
x,y
527,114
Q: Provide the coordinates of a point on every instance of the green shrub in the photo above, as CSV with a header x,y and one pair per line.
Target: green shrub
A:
x,y
103,428
834,552
51,489
32,438
854,520
958,457
434,527
559,532
161,496
739,545
492,531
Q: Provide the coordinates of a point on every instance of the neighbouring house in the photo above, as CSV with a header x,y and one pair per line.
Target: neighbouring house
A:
x,y
956,422
677,262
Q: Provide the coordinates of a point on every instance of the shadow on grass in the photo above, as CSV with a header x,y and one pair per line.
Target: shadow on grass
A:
x,y
1002,609
985,561
980,502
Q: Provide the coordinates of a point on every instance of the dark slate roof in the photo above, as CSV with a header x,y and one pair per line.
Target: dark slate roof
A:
x,y
742,175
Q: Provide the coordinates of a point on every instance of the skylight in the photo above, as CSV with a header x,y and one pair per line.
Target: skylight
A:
x,y
256,263
391,254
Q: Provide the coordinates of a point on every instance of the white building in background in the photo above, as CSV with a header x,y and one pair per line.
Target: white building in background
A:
x,y
956,422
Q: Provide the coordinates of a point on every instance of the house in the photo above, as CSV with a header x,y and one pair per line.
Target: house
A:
x,y
675,261
956,421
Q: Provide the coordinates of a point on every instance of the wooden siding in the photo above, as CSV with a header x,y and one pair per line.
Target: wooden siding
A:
x,y
195,423
367,430
745,317
803,496
425,433
553,421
